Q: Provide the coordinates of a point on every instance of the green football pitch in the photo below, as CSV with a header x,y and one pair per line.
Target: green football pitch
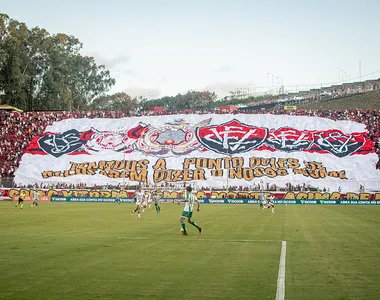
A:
x,y
100,251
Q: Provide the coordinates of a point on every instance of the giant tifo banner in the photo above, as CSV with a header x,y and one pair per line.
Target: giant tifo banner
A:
x,y
204,150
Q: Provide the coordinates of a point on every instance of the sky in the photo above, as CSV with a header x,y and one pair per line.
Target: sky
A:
x,y
158,48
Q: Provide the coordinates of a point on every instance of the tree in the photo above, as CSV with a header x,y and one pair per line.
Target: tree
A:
x,y
43,71
4,23
118,101
190,100
14,61
202,100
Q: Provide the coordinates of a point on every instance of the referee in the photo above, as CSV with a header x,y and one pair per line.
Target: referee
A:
x,y
21,200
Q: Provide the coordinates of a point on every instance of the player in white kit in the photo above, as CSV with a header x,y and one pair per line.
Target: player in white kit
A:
x,y
271,202
144,202
148,197
263,201
139,196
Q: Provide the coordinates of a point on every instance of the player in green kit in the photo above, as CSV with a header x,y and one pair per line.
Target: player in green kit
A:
x,y
117,198
156,198
35,199
187,212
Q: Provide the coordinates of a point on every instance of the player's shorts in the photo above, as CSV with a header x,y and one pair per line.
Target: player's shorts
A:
x,y
20,200
187,214
139,203
156,203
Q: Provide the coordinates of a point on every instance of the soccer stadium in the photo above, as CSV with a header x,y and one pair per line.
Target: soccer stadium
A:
x,y
262,190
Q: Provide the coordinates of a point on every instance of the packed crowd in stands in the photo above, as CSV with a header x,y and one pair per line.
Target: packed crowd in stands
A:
x,y
292,187
17,129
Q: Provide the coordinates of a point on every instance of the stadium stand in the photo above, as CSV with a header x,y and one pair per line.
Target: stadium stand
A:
x,y
313,97
17,129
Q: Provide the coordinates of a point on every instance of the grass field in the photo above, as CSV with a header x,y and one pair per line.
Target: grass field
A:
x,y
99,251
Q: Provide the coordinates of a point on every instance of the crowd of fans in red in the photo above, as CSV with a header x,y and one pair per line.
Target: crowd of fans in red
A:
x,y
17,129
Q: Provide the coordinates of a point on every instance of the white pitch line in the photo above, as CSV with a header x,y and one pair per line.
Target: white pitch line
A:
x,y
281,274
149,239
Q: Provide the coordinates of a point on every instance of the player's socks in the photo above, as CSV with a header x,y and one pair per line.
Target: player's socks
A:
x,y
195,225
21,205
272,210
183,224
138,215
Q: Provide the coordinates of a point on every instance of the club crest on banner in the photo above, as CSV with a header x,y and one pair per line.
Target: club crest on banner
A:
x,y
338,143
118,141
107,140
176,137
289,139
58,144
232,137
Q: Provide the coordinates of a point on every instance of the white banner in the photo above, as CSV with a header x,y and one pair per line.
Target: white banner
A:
x,y
205,150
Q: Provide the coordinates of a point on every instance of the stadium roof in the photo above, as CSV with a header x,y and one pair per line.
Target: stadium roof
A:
x,y
8,107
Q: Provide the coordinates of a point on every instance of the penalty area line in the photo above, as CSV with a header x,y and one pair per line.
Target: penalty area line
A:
x,y
280,295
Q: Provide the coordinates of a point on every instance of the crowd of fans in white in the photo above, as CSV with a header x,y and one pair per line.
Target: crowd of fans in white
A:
x,y
17,129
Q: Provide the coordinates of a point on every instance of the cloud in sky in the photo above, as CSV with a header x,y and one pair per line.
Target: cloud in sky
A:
x,y
148,92
110,62
223,88
225,69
